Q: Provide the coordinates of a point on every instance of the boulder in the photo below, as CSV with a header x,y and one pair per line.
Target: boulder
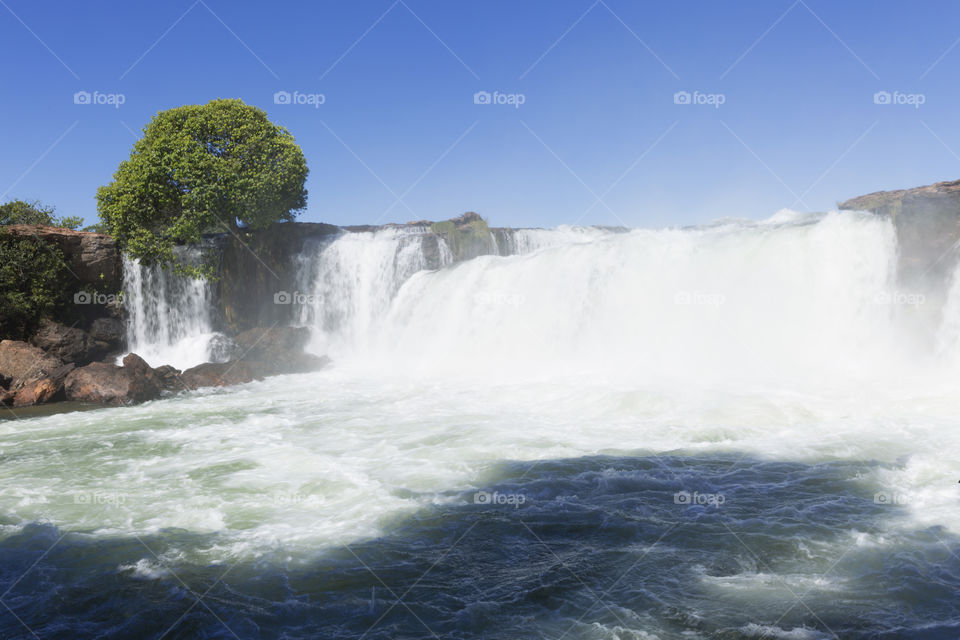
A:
x,y
168,378
222,374
70,344
21,362
219,374
107,383
46,389
111,331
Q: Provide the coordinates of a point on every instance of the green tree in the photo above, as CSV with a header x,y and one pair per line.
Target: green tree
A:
x,y
35,212
202,168
33,279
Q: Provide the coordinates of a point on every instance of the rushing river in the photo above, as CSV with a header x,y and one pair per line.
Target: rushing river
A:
x,y
746,430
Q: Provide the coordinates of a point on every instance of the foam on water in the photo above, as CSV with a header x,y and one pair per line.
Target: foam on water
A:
x,y
773,339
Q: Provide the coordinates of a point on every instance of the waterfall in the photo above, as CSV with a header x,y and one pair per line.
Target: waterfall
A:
x,y
170,317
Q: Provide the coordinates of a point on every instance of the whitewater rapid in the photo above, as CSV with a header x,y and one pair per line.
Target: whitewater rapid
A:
x,y
780,340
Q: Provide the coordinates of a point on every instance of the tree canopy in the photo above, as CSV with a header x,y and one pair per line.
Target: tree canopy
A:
x,y
198,169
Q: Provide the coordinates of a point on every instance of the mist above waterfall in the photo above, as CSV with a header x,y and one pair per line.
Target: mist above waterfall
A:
x,y
793,300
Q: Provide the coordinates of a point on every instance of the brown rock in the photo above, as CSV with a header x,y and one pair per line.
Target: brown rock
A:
x,y
92,257
22,362
219,374
43,390
107,383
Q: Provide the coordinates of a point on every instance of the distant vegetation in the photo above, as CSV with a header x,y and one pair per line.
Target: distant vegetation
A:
x,y
21,212
202,168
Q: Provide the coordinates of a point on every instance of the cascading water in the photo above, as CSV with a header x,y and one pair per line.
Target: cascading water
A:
x,y
169,317
641,434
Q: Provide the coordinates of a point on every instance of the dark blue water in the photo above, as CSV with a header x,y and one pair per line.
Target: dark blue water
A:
x,y
599,548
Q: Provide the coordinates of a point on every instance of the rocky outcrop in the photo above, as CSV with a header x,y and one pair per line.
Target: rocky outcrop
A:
x,y
257,265
107,383
927,222
70,344
92,257
467,236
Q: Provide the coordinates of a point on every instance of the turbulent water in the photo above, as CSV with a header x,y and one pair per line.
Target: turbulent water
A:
x,y
743,430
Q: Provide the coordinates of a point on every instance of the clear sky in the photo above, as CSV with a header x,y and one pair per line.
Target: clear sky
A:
x,y
588,131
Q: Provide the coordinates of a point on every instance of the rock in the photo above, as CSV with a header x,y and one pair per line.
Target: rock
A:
x,y
106,383
256,265
42,390
927,223
219,374
111,331
21,362
92,257
222,374
168,378
70,344
467,236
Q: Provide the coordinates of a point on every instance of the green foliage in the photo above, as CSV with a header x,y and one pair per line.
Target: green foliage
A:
x,y
21,212
96,227
202,168
33,279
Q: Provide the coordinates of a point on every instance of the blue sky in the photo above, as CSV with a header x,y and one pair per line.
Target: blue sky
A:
x,y
598,138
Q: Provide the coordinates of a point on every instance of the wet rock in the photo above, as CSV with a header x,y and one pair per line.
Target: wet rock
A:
x,y
70,344
223,374
107,383
111,331
219,374
168,378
